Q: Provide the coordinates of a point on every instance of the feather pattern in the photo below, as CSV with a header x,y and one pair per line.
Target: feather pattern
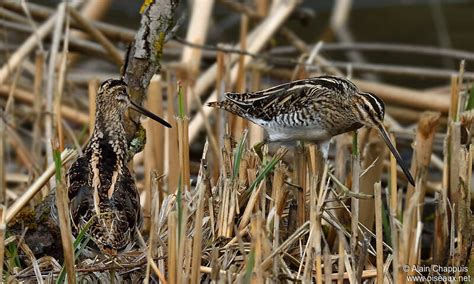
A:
x,y
100,185
314,109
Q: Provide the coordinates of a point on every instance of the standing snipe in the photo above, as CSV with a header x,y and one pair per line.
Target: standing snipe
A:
x,y
100,185
314,109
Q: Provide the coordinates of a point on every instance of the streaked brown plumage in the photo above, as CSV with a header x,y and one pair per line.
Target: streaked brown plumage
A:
x,y
100,185
314,109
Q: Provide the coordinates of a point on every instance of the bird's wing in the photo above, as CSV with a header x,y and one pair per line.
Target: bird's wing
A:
x,y
281,99
77,174
79,191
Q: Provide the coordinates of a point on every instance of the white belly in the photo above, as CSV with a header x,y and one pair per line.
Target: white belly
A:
x,y
305,134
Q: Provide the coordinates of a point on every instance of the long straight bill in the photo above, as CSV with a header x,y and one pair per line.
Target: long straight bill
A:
x,y
151,115
394,151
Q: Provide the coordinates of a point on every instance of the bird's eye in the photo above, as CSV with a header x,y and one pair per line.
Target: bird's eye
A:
x,y
122,97
366,107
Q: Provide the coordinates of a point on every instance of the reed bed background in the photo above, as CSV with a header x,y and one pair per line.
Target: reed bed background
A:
x,y
219,206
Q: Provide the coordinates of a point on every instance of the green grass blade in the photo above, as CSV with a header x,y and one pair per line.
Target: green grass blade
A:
x,y
249,267
355,150
268,168
57,164
387,230
239,153
79,246
470,100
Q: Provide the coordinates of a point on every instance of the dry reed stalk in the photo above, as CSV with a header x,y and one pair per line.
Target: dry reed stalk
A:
x,y
153,149
182,240
300,180
441,217
13,210
92,88
91,11
421,159
355,201
297,234
458,194
405,96
454,102
3,230
31,257
314,248
153,223
407,243
327,266
379,230
3,185
257,231
97,35
196,33
3,194
408,116
211,134
321,200
10,103
341,255
454,165
38,105
172,247
201,190
393,205
223,210
49,126
278,198
262,7
256,133
256,41
20,149
229,222
171,147
62,205
238,123
29,44
187,257
464,232
60,86
350,271
374,152
27,97
250,207
220,86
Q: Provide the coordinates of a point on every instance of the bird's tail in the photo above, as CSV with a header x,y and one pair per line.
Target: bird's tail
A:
x,y
229,106
215,104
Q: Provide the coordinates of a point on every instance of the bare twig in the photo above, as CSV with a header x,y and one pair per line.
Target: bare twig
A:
x,y
98,36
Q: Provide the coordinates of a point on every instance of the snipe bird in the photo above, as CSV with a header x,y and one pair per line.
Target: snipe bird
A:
x,y
314,109
100,185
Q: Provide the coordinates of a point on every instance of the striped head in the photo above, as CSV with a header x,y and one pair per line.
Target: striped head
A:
x,y
113,100
370,110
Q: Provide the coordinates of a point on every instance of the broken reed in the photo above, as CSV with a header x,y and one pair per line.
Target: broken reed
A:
x,y
62,206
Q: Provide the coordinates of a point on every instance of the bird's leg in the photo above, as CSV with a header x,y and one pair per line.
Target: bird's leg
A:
x,y
324,146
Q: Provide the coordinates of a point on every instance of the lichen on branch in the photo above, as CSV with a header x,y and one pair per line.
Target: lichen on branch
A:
x,y
145,54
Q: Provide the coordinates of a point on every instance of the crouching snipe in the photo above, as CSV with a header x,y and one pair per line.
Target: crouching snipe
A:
x,y
100,185
314,109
